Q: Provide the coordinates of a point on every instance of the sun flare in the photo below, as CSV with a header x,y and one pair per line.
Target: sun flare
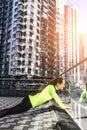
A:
x,y
82,28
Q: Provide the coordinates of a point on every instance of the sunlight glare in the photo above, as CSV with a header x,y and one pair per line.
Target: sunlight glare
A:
x,y
83,28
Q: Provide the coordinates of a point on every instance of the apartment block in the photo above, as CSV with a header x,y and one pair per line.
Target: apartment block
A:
x,y
20,37
6,14
31,38
48,30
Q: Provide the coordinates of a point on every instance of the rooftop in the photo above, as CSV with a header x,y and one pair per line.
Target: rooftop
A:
x,y
45,117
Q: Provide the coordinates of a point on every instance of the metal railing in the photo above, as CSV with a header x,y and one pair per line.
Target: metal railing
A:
x,y
74,66
78,110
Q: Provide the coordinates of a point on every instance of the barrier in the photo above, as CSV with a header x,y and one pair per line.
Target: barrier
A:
x,y
79,112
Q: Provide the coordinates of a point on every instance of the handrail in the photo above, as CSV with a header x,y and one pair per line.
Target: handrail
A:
x,y
73,66
14,79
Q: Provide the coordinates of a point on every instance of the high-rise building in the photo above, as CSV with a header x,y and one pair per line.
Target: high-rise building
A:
x,y
82,55
60,36
20,37
71,48
48,29
25,38
28,40
6,16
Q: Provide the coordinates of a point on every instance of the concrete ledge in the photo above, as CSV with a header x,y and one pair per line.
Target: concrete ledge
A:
x,y
45,117
15,92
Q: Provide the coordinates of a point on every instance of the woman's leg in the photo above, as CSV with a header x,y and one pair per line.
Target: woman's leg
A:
x,y
19,108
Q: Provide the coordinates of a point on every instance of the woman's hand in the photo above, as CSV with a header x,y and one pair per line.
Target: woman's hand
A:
x,y
63,101
67,107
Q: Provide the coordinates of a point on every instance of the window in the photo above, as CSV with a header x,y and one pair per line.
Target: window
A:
x,y
32,0
37,37
29,63
38,31
36,65
36,71
16,3
30,41
31,27
30,56
39,1
30,48
29,70
31,20
31,34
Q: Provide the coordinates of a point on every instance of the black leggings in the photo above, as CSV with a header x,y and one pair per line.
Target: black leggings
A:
x,y
19,108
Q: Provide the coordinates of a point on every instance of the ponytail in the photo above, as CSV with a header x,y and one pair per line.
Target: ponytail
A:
x,y
57,80
53,82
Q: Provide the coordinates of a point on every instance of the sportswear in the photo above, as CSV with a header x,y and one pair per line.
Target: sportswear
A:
x,y
83,97
45,95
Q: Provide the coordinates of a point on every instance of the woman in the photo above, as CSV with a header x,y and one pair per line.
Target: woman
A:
x,y
83,97
32,101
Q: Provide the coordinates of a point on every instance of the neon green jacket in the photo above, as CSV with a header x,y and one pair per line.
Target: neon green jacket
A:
x,y
83,97
45,95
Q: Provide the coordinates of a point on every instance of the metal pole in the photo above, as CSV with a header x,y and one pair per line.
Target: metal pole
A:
x,y
69,91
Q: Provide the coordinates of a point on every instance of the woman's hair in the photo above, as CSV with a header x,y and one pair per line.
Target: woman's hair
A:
x,y
53,82
57,80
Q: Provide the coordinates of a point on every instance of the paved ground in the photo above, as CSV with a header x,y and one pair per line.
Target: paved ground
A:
x,y
45,117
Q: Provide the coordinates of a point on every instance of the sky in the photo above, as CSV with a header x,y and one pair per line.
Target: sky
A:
x,y
81,6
